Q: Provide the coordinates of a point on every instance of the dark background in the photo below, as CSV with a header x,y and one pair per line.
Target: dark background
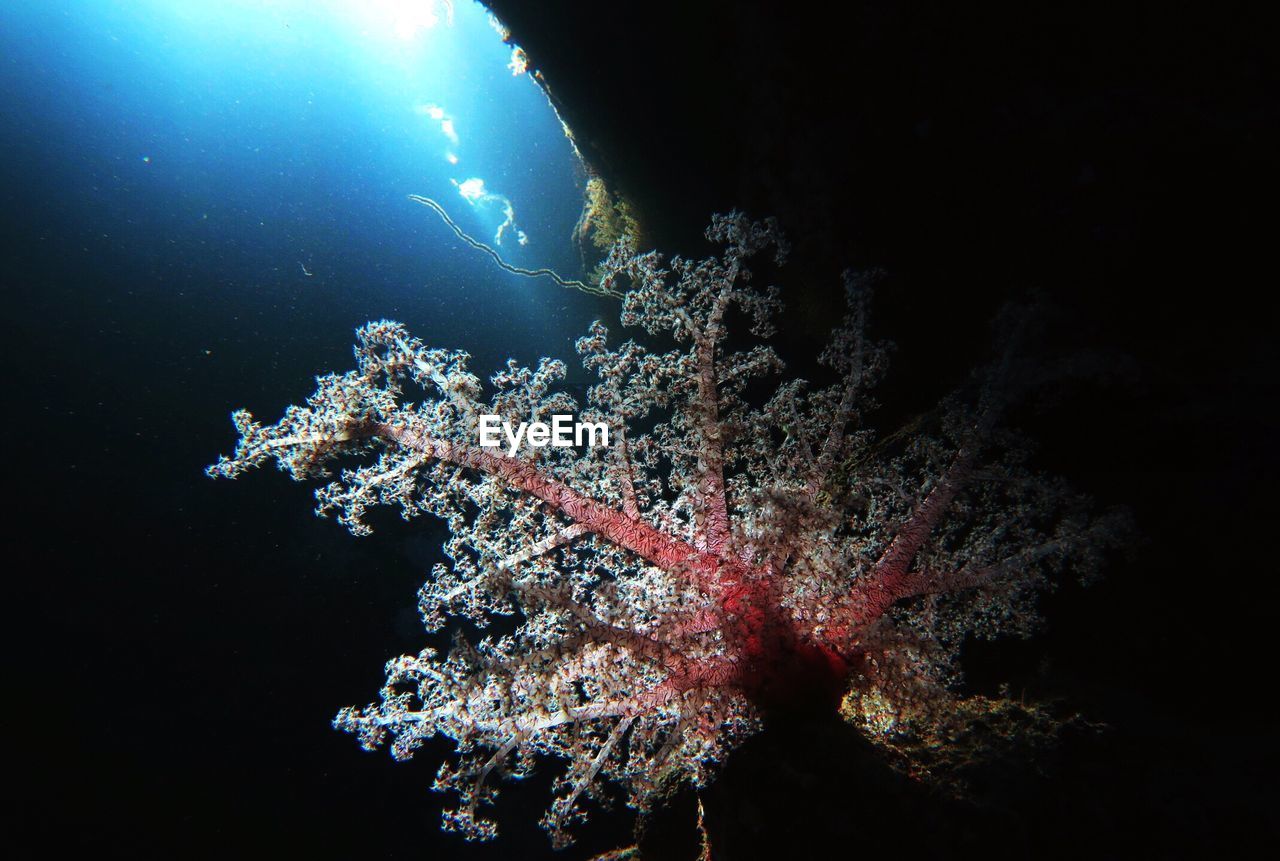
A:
x,y
179,645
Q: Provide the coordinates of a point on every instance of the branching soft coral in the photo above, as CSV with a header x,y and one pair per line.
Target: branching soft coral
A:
x,y
723,555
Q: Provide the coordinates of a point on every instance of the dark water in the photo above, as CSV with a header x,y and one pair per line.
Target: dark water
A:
x,y
201,201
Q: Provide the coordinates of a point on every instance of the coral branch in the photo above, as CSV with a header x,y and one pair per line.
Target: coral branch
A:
x,y
627,532
890,580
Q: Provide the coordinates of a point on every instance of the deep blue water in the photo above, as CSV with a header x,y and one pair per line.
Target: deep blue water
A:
x,y
170,174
